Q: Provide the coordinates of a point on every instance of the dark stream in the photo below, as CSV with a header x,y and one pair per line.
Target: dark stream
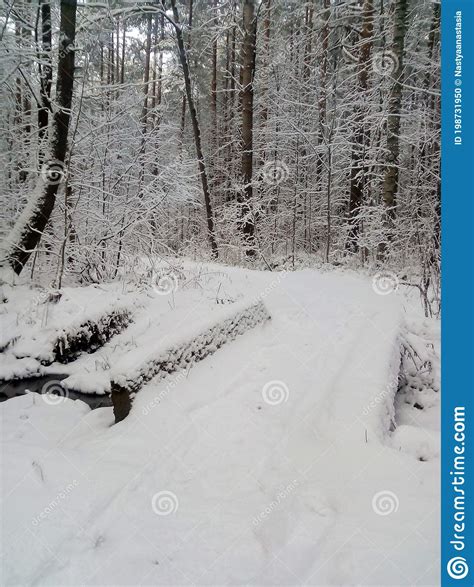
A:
x,y
15,387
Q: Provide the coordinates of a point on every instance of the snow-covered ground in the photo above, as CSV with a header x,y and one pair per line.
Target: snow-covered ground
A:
x,y
282,459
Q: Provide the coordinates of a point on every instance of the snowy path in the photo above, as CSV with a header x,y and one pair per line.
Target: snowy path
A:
x,y
270,452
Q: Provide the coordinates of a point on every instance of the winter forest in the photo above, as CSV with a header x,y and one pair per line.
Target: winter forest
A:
x,y
272,132
220,291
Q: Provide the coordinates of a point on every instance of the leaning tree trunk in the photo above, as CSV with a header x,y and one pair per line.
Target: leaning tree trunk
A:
x,y
196,131
27,232
247,75
390,184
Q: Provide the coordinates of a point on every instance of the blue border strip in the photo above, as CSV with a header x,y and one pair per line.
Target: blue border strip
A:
x,y
457,156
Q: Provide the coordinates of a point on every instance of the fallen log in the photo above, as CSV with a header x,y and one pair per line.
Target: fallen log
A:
x,y
183,355
90,336
66,344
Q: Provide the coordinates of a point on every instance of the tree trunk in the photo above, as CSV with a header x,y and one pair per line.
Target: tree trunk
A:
x,y
46,75
160,62
309,41
27,232
187,47
214,88
358,166
117,51
229,108
154,69
265,76
214,138
247,76
122,65
390,184
322,99
196,130
146,82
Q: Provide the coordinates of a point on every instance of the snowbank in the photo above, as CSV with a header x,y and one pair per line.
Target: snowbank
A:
x,y
259,466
